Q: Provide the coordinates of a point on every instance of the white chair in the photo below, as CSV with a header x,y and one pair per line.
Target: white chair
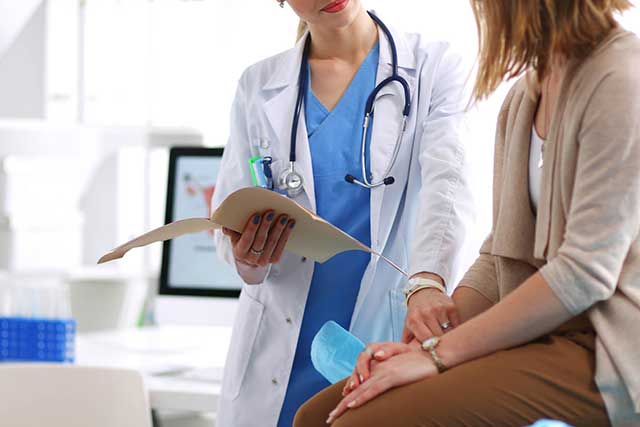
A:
x,y
37,395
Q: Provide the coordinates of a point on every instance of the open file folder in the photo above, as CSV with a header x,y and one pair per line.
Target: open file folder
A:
x,y
313,237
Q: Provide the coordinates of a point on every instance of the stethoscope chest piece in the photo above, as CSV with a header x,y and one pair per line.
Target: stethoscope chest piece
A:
x,y
291,181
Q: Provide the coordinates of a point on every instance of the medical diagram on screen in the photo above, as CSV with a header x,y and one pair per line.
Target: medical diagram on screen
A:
x,y
194,262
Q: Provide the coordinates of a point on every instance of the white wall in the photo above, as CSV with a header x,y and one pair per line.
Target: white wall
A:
x,y
22,59
13,16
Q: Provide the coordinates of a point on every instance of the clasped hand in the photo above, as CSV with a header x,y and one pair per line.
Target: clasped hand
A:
x,y
389,365
384,366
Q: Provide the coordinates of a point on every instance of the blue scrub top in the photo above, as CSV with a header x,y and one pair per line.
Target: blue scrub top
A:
x,y
334,139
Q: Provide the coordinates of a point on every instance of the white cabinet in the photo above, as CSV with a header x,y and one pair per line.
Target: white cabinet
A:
x,y
27,247
40,224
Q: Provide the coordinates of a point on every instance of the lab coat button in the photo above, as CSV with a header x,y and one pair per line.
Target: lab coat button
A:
x,y
264,143
304,259
288,320
274,381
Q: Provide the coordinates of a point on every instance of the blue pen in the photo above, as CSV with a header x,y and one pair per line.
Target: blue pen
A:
x,y
268,173
261,172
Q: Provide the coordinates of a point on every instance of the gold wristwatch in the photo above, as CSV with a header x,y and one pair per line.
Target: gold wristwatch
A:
x,y
416,284
429,345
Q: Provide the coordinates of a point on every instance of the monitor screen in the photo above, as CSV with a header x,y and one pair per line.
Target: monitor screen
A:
x,y
190,265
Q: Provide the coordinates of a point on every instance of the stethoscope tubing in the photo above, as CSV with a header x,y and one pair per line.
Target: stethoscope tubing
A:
x,y
369,111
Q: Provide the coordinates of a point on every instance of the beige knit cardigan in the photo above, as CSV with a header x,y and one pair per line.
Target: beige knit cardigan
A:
x,y
585,239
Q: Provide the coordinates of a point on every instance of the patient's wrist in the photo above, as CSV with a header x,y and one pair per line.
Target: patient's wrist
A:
x,y
451,350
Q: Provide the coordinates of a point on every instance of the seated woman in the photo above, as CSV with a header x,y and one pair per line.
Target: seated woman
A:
x,y
551,307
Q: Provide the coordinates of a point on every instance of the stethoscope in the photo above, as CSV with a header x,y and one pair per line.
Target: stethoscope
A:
x,y
290,180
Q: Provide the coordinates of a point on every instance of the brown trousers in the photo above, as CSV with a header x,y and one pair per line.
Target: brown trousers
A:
x,y
552,377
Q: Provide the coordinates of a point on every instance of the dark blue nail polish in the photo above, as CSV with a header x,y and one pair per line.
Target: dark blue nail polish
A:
x,y
292,224
284,220
270,216
256,219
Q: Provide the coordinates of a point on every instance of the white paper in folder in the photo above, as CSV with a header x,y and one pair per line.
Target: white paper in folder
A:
x,y
313,237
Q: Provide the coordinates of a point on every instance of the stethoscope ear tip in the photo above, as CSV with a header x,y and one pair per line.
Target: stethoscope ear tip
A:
x,y
352,180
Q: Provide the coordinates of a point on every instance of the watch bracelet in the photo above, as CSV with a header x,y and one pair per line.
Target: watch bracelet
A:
x,y
437,361
421,287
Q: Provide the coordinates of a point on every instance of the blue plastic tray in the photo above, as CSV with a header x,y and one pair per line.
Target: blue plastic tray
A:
x,y
37,340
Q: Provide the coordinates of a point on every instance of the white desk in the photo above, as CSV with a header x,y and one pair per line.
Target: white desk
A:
x,y
161,354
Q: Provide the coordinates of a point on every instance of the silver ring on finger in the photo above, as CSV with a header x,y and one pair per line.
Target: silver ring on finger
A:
x,y
255,252
445,325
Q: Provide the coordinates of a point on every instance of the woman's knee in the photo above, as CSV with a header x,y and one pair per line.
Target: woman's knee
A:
x,y
316,410
307,416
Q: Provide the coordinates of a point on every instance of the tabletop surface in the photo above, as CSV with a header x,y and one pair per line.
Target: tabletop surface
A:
x,y
181,365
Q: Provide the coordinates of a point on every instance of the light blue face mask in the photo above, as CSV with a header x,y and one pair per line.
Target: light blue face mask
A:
x,y
549,423
334,352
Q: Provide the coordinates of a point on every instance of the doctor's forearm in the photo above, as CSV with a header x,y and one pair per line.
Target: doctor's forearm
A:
x,y
429,275
529,312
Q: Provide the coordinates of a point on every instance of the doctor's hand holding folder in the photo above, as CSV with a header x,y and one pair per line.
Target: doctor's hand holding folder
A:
x,y
303,233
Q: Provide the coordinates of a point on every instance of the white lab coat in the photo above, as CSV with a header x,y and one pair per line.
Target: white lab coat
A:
x,y
420,222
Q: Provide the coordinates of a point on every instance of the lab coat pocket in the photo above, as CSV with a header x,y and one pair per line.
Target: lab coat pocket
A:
x,y
277,166
262,146
398,312
245,330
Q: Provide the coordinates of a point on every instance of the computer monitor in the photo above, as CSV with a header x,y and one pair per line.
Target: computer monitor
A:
x,y
190,265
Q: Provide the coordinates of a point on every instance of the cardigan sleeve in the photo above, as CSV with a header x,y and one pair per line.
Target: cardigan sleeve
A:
x,y
482,275
604,215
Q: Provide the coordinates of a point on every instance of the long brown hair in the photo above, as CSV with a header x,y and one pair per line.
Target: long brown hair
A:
x,y
518,35
302,28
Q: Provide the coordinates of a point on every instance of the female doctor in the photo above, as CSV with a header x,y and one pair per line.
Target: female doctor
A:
x,y
401,190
